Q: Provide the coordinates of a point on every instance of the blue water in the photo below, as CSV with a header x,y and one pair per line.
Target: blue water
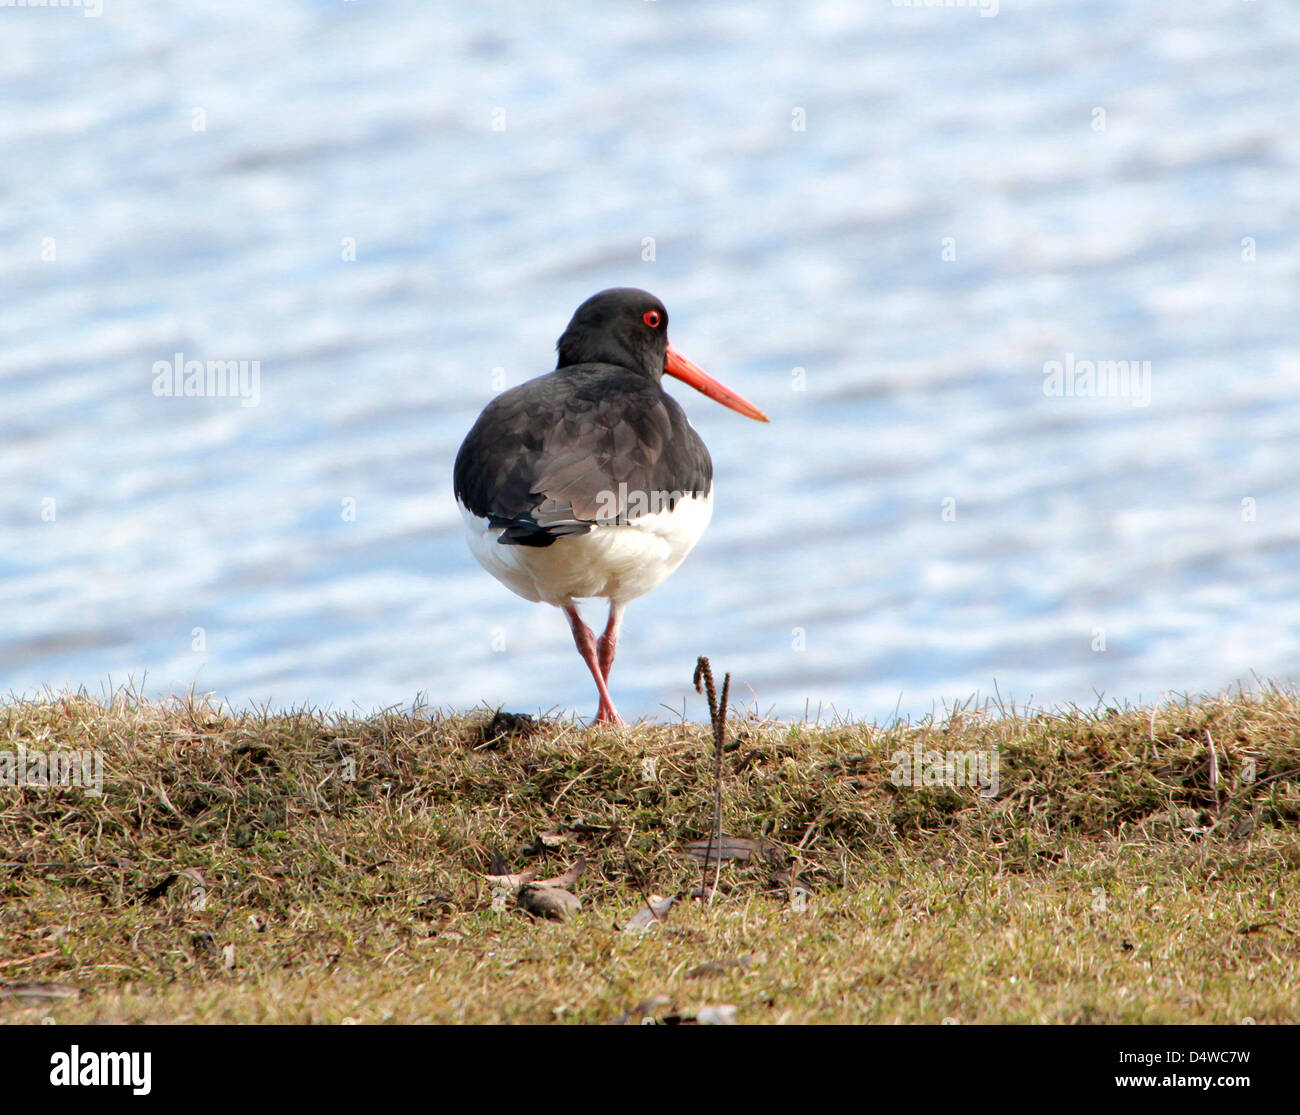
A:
x,y
920,522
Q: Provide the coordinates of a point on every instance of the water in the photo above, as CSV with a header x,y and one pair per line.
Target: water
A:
x,y
920,522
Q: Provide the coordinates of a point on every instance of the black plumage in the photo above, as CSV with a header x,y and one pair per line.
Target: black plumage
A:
x,y
595,441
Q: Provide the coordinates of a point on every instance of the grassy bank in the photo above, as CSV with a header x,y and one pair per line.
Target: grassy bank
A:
x,y
1135,865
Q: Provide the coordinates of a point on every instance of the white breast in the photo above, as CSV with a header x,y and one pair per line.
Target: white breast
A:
x,y
620,562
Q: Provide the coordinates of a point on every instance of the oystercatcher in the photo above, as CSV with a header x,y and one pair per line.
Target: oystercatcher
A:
x,y
589,481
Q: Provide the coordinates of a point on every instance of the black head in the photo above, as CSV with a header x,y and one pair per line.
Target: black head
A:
x,y
622,326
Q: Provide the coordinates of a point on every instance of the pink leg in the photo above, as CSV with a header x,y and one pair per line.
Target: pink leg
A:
x,y
608,642
586,644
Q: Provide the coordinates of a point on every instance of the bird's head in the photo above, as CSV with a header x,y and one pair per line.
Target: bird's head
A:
x,y
629,327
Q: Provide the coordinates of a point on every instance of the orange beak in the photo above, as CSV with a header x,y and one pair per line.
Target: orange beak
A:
x,y
677,366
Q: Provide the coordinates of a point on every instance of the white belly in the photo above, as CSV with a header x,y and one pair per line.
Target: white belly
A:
x,y
620,562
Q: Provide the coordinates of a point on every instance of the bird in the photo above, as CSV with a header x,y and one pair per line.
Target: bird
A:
x,y
589,481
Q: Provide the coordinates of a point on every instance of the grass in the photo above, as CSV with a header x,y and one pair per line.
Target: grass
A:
x,y
1136,865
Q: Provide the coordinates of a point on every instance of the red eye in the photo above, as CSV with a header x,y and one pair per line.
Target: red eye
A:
x,y
651,318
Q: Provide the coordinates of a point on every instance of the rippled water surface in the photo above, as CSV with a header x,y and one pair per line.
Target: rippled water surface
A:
x,y
920,521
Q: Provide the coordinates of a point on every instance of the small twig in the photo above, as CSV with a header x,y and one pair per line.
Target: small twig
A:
x,y
719,741
718,717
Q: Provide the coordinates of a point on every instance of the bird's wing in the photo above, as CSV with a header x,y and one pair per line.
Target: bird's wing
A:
x,y
577,449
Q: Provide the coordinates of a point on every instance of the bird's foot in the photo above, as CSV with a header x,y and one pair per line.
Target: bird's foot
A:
x,y
608,714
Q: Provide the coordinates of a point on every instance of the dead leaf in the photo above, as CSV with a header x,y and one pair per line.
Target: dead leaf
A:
x,y
523,878
42,991
729,847
569,877
165,884
549,902
652,912
505,726
643,1011
719,967
511,882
